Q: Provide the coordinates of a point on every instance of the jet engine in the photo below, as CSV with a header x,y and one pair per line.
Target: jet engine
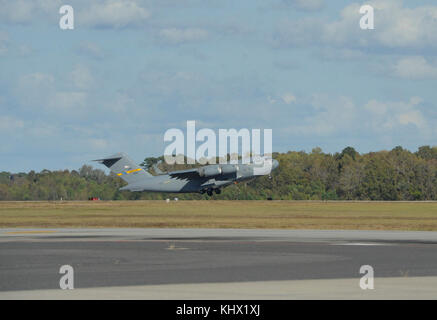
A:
x,y
229,168
208,171
215,170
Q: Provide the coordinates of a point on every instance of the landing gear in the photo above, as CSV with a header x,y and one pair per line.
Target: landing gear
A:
x,y
211,191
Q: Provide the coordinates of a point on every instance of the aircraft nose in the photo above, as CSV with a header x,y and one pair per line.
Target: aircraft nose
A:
x,y
275,164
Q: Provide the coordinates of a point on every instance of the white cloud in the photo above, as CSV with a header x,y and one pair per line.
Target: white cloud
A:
x,y
288,98
90,49
328,117
336,54
42,130
8,46
99,13
271,100
114,14
97,144
24,50
412,117
177,36
9,124
42,92
396,26
300,32
389,114
81,77
67,101
33,89
24,11
307,5
37,79
415,67
121,104
405,27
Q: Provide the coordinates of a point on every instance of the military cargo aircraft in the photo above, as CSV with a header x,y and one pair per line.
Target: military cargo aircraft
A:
x,y
209,178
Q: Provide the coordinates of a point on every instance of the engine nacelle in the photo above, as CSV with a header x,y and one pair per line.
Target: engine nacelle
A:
x,y
211,170
215,170
229,168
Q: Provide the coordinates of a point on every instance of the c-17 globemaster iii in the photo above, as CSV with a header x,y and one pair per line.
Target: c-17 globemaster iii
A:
x,y
209,178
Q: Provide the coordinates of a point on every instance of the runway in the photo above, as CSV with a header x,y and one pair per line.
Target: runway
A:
x,y
216,263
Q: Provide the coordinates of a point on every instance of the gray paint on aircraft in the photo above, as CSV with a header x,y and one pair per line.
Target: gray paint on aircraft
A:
x,y
203,179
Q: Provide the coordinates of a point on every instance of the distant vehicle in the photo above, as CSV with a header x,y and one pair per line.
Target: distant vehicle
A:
x,y
206,179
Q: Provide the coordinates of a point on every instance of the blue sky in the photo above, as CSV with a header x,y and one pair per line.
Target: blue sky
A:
x,y
132,69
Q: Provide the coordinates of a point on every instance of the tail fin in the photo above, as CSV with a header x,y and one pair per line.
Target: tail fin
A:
x,y
125,168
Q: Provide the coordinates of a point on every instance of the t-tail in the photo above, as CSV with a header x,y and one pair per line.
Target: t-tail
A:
x,y
125,168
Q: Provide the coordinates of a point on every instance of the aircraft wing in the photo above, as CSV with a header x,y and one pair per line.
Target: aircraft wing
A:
x,y
185,174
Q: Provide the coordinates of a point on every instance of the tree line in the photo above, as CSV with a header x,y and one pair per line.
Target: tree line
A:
x,y
398,174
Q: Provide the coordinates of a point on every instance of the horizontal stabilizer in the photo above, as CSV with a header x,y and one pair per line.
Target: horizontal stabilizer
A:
x,y
108,162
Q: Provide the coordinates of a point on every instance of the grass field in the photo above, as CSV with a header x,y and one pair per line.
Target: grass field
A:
x,y
221,214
